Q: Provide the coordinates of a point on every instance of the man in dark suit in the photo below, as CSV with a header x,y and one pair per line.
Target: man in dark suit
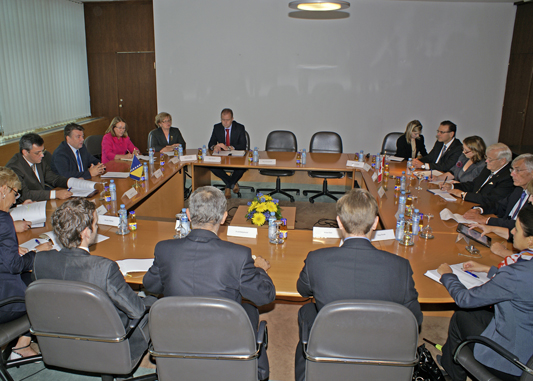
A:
x,y
228,135
71,158
493,183
445,152
36,176
356,270
201,264
75,225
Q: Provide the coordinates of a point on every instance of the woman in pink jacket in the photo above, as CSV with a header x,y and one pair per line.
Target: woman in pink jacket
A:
x,y
116,144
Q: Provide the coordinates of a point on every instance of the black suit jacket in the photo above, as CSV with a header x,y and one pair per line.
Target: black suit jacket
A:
x,y
502,208
64,161
202,264
403,149
357,270
32,188
448,160
237,137
498,187
159,141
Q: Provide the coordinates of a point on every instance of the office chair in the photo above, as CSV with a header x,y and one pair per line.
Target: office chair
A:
x,y
9,334
150,139
389,143
361,340
327,142
94,145
78,328
204,338
252,189
464,356
280,141
47,158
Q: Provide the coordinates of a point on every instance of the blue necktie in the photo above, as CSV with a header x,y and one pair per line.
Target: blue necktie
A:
x,y
78,157
519,204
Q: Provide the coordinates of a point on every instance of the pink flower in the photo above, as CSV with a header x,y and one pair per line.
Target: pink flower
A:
x,y
459,164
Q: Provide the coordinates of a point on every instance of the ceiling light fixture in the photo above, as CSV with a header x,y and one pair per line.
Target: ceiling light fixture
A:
x,y
319,5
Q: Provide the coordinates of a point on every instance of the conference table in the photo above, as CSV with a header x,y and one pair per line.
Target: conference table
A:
x,y
286,259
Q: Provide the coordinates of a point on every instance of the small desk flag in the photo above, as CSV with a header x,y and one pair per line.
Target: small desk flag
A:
x,y
136,170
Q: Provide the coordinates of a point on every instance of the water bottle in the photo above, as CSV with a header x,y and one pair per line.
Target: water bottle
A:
x,y
180,151
401,203
416,221
151,153
409,165
204,151
272,228
256,155
399,228
133,221
185,225
123,222
179,231
113,190
107,194
145,172
403,181
304,157
362,156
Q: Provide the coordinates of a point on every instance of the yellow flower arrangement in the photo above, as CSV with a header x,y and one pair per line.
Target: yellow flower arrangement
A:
x,y
259,209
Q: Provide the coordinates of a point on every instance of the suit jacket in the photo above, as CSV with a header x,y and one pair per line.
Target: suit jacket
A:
x,y
357,270
404,149
498,187
12,264
32,188
202,264
510,293
159,141
64,161
471,173
502,208
237,137
448,160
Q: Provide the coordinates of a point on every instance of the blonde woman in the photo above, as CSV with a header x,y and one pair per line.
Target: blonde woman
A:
x,y
411,144
116,144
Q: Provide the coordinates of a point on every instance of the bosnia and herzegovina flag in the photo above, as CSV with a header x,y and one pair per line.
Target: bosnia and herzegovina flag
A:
x,y
136,170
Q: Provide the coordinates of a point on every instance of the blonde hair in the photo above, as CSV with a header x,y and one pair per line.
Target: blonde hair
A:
x,y
357,211
9,178
159,118
111,129
477,146
413,125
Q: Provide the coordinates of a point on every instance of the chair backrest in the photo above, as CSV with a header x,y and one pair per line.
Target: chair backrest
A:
x,y
207,327
281,141
326,141
94,145
77,327
389,143
359,331
48,158
247,140
150,138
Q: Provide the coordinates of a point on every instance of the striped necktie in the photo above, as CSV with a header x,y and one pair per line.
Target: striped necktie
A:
x,y
519,205
442,151
78,158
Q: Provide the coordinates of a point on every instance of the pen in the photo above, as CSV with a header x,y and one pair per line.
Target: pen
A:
x,y
36,240
69,189
444,183
474,275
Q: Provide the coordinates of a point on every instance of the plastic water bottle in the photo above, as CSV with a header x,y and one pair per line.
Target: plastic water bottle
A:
x,y
180,151
113,190
145,172
123,222
151,153
185,224
304,157
399,228
401,203
204,151
256,155
107,194
403,181
409,166
179,231
272,228
362,156
416,221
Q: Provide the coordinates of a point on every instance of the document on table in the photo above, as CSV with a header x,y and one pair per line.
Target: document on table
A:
x,y
34,212
81,188
134,265
115,175
429,174
445,195
32,243
446,214
394,158
468,278
143,157
230,153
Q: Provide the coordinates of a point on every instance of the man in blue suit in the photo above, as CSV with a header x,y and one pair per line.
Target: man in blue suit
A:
x,y
71,158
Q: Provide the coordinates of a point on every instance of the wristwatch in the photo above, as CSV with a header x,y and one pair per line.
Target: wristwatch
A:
x,y
463,194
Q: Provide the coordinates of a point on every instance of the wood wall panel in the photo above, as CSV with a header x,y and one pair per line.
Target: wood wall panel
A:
x,y
523,30
103,84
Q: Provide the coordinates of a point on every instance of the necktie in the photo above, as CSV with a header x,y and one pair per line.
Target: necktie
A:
x,y
486,181
441,152
78,157
34,169
518,206
227,137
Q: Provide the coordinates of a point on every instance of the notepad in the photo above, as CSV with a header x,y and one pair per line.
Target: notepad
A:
x,y
134,265
34,212
445,195
468,279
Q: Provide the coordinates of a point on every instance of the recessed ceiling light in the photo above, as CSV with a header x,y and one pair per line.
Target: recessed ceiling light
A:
x,y
319,5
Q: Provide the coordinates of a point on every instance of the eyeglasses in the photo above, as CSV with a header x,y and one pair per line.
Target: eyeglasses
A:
x,y
443,132
38,153
490,160
120,128
167,121
466,152
515,170
17,194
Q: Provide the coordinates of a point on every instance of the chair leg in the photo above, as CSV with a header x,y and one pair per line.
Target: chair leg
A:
x,y
279,190
325,192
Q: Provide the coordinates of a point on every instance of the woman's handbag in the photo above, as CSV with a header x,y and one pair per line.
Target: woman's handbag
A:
x,y
426,369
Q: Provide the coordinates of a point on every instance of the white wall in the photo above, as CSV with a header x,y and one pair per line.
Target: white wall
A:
x,y
363,75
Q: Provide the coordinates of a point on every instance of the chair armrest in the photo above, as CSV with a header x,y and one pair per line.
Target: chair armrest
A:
x,y
262,335
135,322
11,300
305,333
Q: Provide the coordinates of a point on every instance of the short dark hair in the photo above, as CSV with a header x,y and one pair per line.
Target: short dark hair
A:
x,y
227,111
451,126
28,140
526,219
71,219
71,127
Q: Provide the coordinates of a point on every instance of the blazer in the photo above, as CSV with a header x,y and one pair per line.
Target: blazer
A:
x,y
448,160
471,173
237,137
202,264
32,188
12,264
404,149
502,208
112,146
357,270
498,187
509,291
64,161
159,141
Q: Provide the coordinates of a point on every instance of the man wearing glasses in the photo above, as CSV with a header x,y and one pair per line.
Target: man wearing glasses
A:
x,y
445,152
37,178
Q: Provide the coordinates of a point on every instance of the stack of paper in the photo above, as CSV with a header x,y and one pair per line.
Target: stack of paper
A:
x,y
32,243
134,265
446,214
394,158
116,175
468,279
81,188
445,195
34,212
230,153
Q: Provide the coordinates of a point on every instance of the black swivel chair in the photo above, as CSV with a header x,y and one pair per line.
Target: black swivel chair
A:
x,y
464,356
78,328
361,340
204,338
150,139
325,142
389,143
280,141
94,145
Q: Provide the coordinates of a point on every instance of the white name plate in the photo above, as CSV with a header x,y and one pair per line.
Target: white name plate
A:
x,y
240,231
108,220
367,167
158,174
101,210
189,158
375,176
381,192
174,160
355,164
382,235
326,232
267,161
130,193
212,159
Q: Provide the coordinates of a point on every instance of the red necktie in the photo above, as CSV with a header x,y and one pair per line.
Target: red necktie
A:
x,y
227,137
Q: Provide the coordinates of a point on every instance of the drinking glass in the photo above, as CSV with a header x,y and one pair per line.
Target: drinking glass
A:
x,y
427,232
